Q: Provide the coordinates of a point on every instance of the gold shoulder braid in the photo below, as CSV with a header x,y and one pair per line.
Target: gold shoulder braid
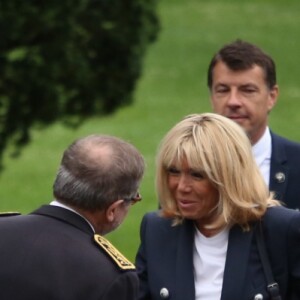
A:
x,y
118,258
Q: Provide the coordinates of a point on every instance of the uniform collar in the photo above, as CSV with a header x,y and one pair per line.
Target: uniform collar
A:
x,y
57,203
64,215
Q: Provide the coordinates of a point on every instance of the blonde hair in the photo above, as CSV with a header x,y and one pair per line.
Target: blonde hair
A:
x,y
220,148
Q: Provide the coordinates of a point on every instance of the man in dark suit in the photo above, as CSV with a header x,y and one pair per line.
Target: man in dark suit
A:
x,y
58,251
242,84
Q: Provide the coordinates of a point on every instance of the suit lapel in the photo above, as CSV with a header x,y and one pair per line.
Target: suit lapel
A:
x,y
184,263
237,259
279,171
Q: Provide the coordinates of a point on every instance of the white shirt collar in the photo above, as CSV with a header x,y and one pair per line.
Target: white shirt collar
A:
x,y
262,153
57,203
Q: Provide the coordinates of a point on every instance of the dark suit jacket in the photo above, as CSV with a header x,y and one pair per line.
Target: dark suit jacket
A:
x,y
51,254
285,171
165,258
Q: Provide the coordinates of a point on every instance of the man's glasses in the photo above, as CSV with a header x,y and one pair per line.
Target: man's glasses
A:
x,y
133,200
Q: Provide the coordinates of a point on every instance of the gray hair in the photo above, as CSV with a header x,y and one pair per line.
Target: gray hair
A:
x,y
97,170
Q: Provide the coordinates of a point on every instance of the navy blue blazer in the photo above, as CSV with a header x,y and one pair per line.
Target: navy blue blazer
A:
x,y
165,258
285,171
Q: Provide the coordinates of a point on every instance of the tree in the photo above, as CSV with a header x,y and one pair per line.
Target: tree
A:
x,y
68,60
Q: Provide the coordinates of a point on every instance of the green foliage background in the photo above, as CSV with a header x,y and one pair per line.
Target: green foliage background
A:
x,y
173,85
69,60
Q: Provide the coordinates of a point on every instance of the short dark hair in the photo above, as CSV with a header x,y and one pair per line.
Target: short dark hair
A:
x,y
97,170
240,55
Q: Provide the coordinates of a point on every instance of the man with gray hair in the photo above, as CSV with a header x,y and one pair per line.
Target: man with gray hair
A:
x,y
58,251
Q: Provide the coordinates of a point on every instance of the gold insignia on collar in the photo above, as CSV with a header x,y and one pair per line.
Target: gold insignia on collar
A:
x,y
117,257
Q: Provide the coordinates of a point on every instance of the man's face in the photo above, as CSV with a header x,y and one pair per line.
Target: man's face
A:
x,y
244,97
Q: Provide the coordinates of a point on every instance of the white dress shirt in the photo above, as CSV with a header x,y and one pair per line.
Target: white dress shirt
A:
x,y
262,153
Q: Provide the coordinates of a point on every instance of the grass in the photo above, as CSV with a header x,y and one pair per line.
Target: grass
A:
x,y
173,85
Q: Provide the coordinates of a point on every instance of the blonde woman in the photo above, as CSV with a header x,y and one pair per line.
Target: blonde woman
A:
x,y
202,243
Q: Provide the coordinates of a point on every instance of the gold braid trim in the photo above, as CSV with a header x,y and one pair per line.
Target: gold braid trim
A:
x,y
116,256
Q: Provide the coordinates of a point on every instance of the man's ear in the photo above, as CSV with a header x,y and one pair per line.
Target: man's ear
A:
x,y
112,210
273,95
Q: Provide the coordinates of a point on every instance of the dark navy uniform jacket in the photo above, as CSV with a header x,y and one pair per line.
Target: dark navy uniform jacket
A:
x,y
52,254
165,259
285,171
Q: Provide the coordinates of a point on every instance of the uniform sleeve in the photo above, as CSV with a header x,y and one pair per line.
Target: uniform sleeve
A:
x,y
124,287
294,259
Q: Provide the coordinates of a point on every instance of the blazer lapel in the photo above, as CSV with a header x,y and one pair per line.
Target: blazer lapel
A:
x,y
237,258
279,170
184,263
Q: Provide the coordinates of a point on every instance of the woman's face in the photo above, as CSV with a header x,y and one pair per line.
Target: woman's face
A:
x,y
194,194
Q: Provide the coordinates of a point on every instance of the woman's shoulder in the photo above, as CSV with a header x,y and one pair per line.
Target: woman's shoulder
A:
x,y
160,231
155,217
282,211
155,222
281,216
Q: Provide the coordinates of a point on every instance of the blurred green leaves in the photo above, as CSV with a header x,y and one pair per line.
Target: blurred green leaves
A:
x,y
69,60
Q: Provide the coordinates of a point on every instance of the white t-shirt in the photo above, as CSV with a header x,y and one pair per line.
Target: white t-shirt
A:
x,y
209,264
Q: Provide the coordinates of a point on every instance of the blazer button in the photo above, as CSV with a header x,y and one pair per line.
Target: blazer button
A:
x,y
258,297
164,293
280,177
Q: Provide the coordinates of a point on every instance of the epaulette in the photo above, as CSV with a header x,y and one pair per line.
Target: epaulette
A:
x,y
9,214
122,262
